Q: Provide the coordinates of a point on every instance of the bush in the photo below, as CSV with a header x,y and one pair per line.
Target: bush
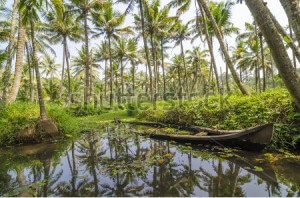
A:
x,y
65,122
274,106
19,115
80,111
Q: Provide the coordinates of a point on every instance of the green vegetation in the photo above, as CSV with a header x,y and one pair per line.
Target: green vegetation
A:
x,y
20,115
237,112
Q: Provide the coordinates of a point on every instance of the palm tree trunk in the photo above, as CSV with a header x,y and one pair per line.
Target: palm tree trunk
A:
x,y
62,73
276,45
294,56
146,47
272,68
292,10
179,83
133,78
262,61
154,62
19,64
87,65
30,73
105,77
257,72
43,115
163,66
283,33
209,82
222,45
67,55
122,73
111,98
210,47
227,75
185,71
7,72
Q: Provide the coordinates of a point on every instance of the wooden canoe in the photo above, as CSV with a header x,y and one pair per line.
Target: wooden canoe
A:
x,y
254,138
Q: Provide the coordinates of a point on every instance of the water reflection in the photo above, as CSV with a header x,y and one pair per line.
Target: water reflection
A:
x,y
113,164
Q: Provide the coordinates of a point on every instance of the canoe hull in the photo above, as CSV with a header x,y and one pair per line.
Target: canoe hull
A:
x,y
255,138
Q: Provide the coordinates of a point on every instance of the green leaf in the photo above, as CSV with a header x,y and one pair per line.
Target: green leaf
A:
x,y
258,169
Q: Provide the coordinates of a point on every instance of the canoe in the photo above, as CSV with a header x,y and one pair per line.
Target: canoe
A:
x,y
254,138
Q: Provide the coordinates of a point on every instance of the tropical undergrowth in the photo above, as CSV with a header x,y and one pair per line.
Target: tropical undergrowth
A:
x,y
235,112
19,115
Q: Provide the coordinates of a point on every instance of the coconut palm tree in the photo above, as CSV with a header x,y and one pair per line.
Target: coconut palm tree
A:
x,y
102,54
29,11
19,62
183,32
60,31
157,24
84,9
134,57
109,22
49,67
218,33
10,54
198,59
140,20
177,64
78,67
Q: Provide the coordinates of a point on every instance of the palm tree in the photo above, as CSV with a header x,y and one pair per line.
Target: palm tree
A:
x,y
102,54
120,47
84,9
292,10
183,33
276,45
222,13
157,24
177,63
29,12
211,51
7,73
217,30
49,67
197,58
60,31
109,22
19,62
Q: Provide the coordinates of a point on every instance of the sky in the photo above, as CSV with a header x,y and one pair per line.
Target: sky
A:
x,y
240,15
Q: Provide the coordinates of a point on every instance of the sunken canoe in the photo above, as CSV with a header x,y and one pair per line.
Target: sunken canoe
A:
x,y
254,138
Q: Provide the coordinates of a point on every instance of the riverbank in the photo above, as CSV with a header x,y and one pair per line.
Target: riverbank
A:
x,y
235,112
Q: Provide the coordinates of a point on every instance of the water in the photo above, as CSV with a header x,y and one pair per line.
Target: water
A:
x,y
109,163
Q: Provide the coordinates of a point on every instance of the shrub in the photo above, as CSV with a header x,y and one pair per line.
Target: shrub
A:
x,y
274,106
80,111
19,115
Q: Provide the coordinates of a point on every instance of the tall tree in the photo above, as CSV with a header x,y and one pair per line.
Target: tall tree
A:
x,y
278,51
109,22
19,62
84,8
292,10
223,47
60,31
7,73
29,10
183,32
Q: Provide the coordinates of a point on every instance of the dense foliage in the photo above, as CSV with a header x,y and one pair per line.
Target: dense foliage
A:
x,y
18,116
237,112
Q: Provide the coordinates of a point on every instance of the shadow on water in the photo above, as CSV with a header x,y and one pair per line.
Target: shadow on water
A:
x,y
115,163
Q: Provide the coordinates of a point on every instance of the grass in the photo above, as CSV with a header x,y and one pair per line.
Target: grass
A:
x,y
96,121
17,116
